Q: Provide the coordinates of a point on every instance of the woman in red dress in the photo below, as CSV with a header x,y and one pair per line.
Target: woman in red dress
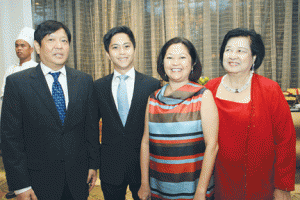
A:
x,y
257,156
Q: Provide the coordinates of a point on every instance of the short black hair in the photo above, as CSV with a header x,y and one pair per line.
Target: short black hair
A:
x,y
48,27
119,29
256,44
196,65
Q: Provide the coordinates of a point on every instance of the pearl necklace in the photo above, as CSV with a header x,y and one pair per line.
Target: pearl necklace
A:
x,y
229,89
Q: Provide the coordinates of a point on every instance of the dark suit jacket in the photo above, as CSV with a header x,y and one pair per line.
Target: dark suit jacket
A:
x,y
120,148
38,150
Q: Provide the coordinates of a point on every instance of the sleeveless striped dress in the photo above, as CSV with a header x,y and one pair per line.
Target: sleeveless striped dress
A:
x,y
176,143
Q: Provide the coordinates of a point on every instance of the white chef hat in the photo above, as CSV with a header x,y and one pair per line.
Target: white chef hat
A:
x,y
27,34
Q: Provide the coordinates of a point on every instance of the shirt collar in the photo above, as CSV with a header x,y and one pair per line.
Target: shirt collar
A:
x,y
130,73
46,70
24,64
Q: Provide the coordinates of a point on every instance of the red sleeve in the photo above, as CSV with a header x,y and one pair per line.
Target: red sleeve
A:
x,y
285,142
213,85
209,85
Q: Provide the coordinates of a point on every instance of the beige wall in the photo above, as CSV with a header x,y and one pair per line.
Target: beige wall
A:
x,y
14,15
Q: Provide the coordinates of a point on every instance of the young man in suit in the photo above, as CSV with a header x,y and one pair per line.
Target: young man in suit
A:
x,y
122,99
49,125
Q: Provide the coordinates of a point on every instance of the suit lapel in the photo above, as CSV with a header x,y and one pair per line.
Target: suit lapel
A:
x,y
111,99
39,84
72,92
136,94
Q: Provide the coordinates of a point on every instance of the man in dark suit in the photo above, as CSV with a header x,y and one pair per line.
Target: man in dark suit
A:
x,y
49,125
122,99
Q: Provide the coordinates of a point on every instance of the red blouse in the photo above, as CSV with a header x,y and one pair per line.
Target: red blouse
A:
x,y
257,143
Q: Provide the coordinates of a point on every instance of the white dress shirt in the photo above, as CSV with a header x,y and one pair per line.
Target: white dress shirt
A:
x,y
129,85
62,79
16,68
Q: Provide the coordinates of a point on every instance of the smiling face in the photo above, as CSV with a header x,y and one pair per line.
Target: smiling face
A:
x,y
178,63
23,50
121,52
54,49
237,57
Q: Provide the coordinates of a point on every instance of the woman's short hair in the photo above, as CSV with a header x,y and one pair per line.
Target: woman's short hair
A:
x,y
196,65
256,44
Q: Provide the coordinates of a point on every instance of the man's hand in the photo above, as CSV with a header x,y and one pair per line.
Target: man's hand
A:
x,y
91,180
28,195
282,195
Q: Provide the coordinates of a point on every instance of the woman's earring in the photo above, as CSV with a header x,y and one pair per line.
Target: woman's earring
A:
x,y
252,68
192,69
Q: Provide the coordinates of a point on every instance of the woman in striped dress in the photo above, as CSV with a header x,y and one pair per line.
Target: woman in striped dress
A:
x,y
179,145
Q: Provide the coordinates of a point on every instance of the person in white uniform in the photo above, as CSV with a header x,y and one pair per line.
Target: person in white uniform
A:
x,y
24,49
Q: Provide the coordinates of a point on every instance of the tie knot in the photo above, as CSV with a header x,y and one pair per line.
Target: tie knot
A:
x,y
55,75
123,77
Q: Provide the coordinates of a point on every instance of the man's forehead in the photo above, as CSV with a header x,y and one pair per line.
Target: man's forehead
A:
x,y
60,32
120,42
120,39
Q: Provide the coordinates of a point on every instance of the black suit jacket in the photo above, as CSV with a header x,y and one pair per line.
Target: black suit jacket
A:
x,y
120,148
38,150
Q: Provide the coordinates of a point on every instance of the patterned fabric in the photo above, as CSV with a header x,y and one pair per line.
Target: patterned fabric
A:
x,y
58,97
176,142
123,107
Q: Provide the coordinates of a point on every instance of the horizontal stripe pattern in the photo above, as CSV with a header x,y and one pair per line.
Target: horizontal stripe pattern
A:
x,y
176,168
181,149
178,136
174,117
168,177
182,190
176,142
176,160
186,188
175,127
174,108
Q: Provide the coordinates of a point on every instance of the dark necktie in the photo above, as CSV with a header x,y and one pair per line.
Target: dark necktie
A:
x,y
123,106
58,97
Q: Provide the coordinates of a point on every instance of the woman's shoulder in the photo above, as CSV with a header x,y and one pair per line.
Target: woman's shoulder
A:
x,y
213,83
197,89
195,85
265,82
263,86
153,95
